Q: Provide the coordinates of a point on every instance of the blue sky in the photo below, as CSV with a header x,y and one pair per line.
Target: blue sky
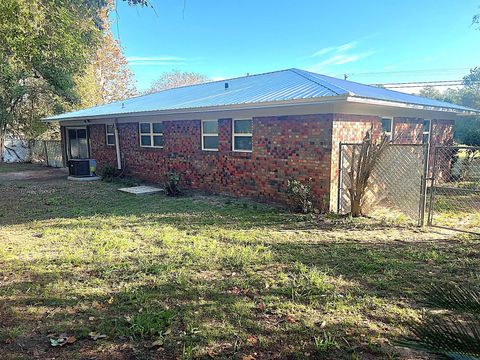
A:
x,y
372,41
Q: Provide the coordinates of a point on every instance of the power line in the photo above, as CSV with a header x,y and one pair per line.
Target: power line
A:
x,y
421,83
409,72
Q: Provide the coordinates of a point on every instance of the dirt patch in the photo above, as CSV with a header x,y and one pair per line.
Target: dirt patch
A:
x,y
37,172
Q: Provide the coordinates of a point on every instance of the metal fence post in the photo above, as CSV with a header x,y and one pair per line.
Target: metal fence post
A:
x,y
340,177
423,186
432,187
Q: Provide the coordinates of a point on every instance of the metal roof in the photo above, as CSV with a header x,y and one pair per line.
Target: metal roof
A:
x,y
284,85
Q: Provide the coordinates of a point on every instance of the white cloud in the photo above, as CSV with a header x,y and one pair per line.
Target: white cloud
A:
x,y
340,59
347,46
323,51
340,54
154,60
336,49
153,63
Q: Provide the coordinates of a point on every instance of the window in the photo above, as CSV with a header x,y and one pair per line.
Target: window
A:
x,y
110,135
242,135
210,135
151,135
387,127
426,131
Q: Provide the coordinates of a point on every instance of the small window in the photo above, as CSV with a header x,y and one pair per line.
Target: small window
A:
x,y
242,135
110,135
151,135
210,135
387,127
426,132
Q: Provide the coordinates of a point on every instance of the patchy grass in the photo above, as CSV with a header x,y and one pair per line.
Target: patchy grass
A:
x,y
459,210
13,167
207,277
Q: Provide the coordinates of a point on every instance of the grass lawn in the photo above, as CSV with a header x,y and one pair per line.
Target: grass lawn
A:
x,y
207,276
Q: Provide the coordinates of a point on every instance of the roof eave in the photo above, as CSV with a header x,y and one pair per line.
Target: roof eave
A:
x,y
372,101
245,106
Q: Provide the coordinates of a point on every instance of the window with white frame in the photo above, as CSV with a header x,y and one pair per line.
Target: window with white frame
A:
x,y
110,135
210,135
387,127
242,135
426,131
151,135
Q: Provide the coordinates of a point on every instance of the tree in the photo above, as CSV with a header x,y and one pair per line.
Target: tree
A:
x,y
431,93
107,77
43,44
176,78
361,169
468,96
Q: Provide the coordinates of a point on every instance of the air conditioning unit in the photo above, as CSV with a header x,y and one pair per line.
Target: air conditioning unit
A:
x,y
82,167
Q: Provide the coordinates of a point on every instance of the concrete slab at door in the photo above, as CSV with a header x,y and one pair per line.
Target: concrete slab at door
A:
x,y
141,190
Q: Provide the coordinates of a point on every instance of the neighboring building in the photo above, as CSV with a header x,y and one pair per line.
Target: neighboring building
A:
x,y
246,136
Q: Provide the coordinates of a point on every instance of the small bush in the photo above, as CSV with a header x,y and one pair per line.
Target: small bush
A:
x,y
108,173
172,187
300,195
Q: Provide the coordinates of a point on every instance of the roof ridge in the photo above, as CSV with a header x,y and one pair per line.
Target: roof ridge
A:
x,y
187,86
217,81
302,74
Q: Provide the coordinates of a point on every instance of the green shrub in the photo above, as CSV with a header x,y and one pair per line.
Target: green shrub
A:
x,y
172,184
108,173
300,195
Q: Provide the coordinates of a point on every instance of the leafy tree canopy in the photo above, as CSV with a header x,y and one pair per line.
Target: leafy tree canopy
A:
x,y
176,78
467,129
43,44
107,77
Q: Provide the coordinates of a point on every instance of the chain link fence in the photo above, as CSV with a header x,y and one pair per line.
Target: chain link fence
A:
x,y
396,184
454,194
46,152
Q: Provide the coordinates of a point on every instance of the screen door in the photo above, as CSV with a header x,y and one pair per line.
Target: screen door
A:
x,y
77,144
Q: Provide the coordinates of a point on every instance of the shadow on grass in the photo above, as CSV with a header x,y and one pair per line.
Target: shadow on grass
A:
x,y
214,313
138,287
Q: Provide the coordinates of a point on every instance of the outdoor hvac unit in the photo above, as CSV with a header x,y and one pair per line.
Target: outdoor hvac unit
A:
x,y
82,167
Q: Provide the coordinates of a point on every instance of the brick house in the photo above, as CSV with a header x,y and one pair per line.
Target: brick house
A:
x,y
246,136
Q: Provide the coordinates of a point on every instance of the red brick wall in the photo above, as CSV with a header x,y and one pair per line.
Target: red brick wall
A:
x,y
442,134
407,130
299,147
283,148
348,129
99,149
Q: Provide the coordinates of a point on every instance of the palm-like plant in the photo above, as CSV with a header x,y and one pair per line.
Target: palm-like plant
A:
x,y
454,333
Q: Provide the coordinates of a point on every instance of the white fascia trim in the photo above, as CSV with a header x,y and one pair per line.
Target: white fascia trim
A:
x,y
265,105
362,100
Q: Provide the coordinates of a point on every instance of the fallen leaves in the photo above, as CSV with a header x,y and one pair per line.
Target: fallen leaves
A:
x,y
252,340
291,319
261,307
62,339
158,342
96,335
